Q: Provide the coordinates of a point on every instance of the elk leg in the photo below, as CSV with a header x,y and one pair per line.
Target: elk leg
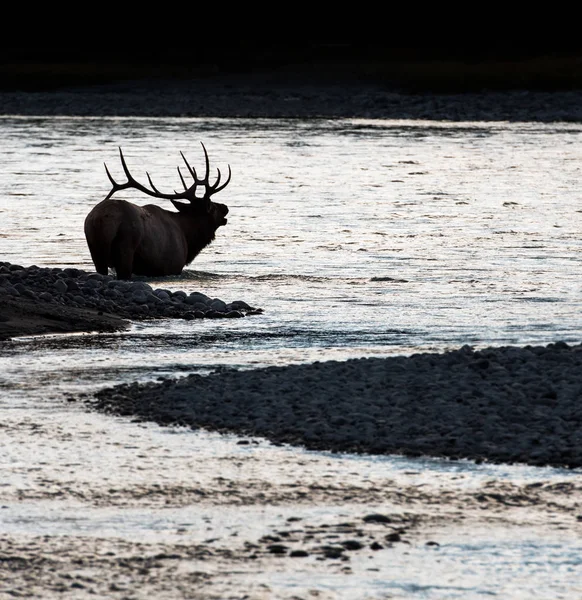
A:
x,y
123,265
100,261
101,269
123,259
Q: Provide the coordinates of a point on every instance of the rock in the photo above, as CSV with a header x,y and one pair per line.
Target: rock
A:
x,y
141,285
377,518
352,545
61,286
218,305
198,297
332,551
196,306
139,297
237,305
152,298
162,295
277,549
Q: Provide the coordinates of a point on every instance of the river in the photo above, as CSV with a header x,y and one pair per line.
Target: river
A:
x,y
357,238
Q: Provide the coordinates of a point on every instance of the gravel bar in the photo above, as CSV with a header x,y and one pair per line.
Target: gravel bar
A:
x,y
501,405
36,300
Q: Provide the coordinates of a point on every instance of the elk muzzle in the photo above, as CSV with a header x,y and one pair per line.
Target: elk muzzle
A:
x,y
221,212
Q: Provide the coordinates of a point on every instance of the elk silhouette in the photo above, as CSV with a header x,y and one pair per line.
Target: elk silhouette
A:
x,y
149,240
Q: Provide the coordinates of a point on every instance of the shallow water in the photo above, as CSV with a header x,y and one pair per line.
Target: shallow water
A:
x,y
358,238
355,234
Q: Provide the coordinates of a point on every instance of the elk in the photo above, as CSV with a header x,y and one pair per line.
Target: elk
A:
x,y
149,240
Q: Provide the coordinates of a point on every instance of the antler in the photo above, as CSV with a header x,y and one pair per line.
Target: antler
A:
x,y
189,193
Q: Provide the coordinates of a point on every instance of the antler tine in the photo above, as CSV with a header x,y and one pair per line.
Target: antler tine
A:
x,y
207,162
182,178
152,184
218,176
113,182
118,186
210,188
191,169
124,165
216,187
109,174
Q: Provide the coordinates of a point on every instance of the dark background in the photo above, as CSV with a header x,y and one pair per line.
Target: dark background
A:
x,y
434,68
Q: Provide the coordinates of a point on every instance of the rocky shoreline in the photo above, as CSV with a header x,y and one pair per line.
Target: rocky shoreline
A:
x,y
288,97
37,300
501,405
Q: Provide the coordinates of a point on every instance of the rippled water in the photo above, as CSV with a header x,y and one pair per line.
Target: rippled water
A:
x,y
356,237
368,236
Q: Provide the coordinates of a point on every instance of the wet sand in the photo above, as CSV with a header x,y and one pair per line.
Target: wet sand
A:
x,y
300,555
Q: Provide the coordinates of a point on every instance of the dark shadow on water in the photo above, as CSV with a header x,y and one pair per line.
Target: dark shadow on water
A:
x,y
142,341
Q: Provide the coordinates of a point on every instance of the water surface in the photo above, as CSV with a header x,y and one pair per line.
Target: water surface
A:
x,y
357,238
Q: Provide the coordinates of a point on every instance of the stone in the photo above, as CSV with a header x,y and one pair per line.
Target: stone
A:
x,y
377,518
61,286
277,549
219,305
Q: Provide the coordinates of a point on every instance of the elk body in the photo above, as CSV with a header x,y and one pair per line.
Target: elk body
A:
x,y
149,240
